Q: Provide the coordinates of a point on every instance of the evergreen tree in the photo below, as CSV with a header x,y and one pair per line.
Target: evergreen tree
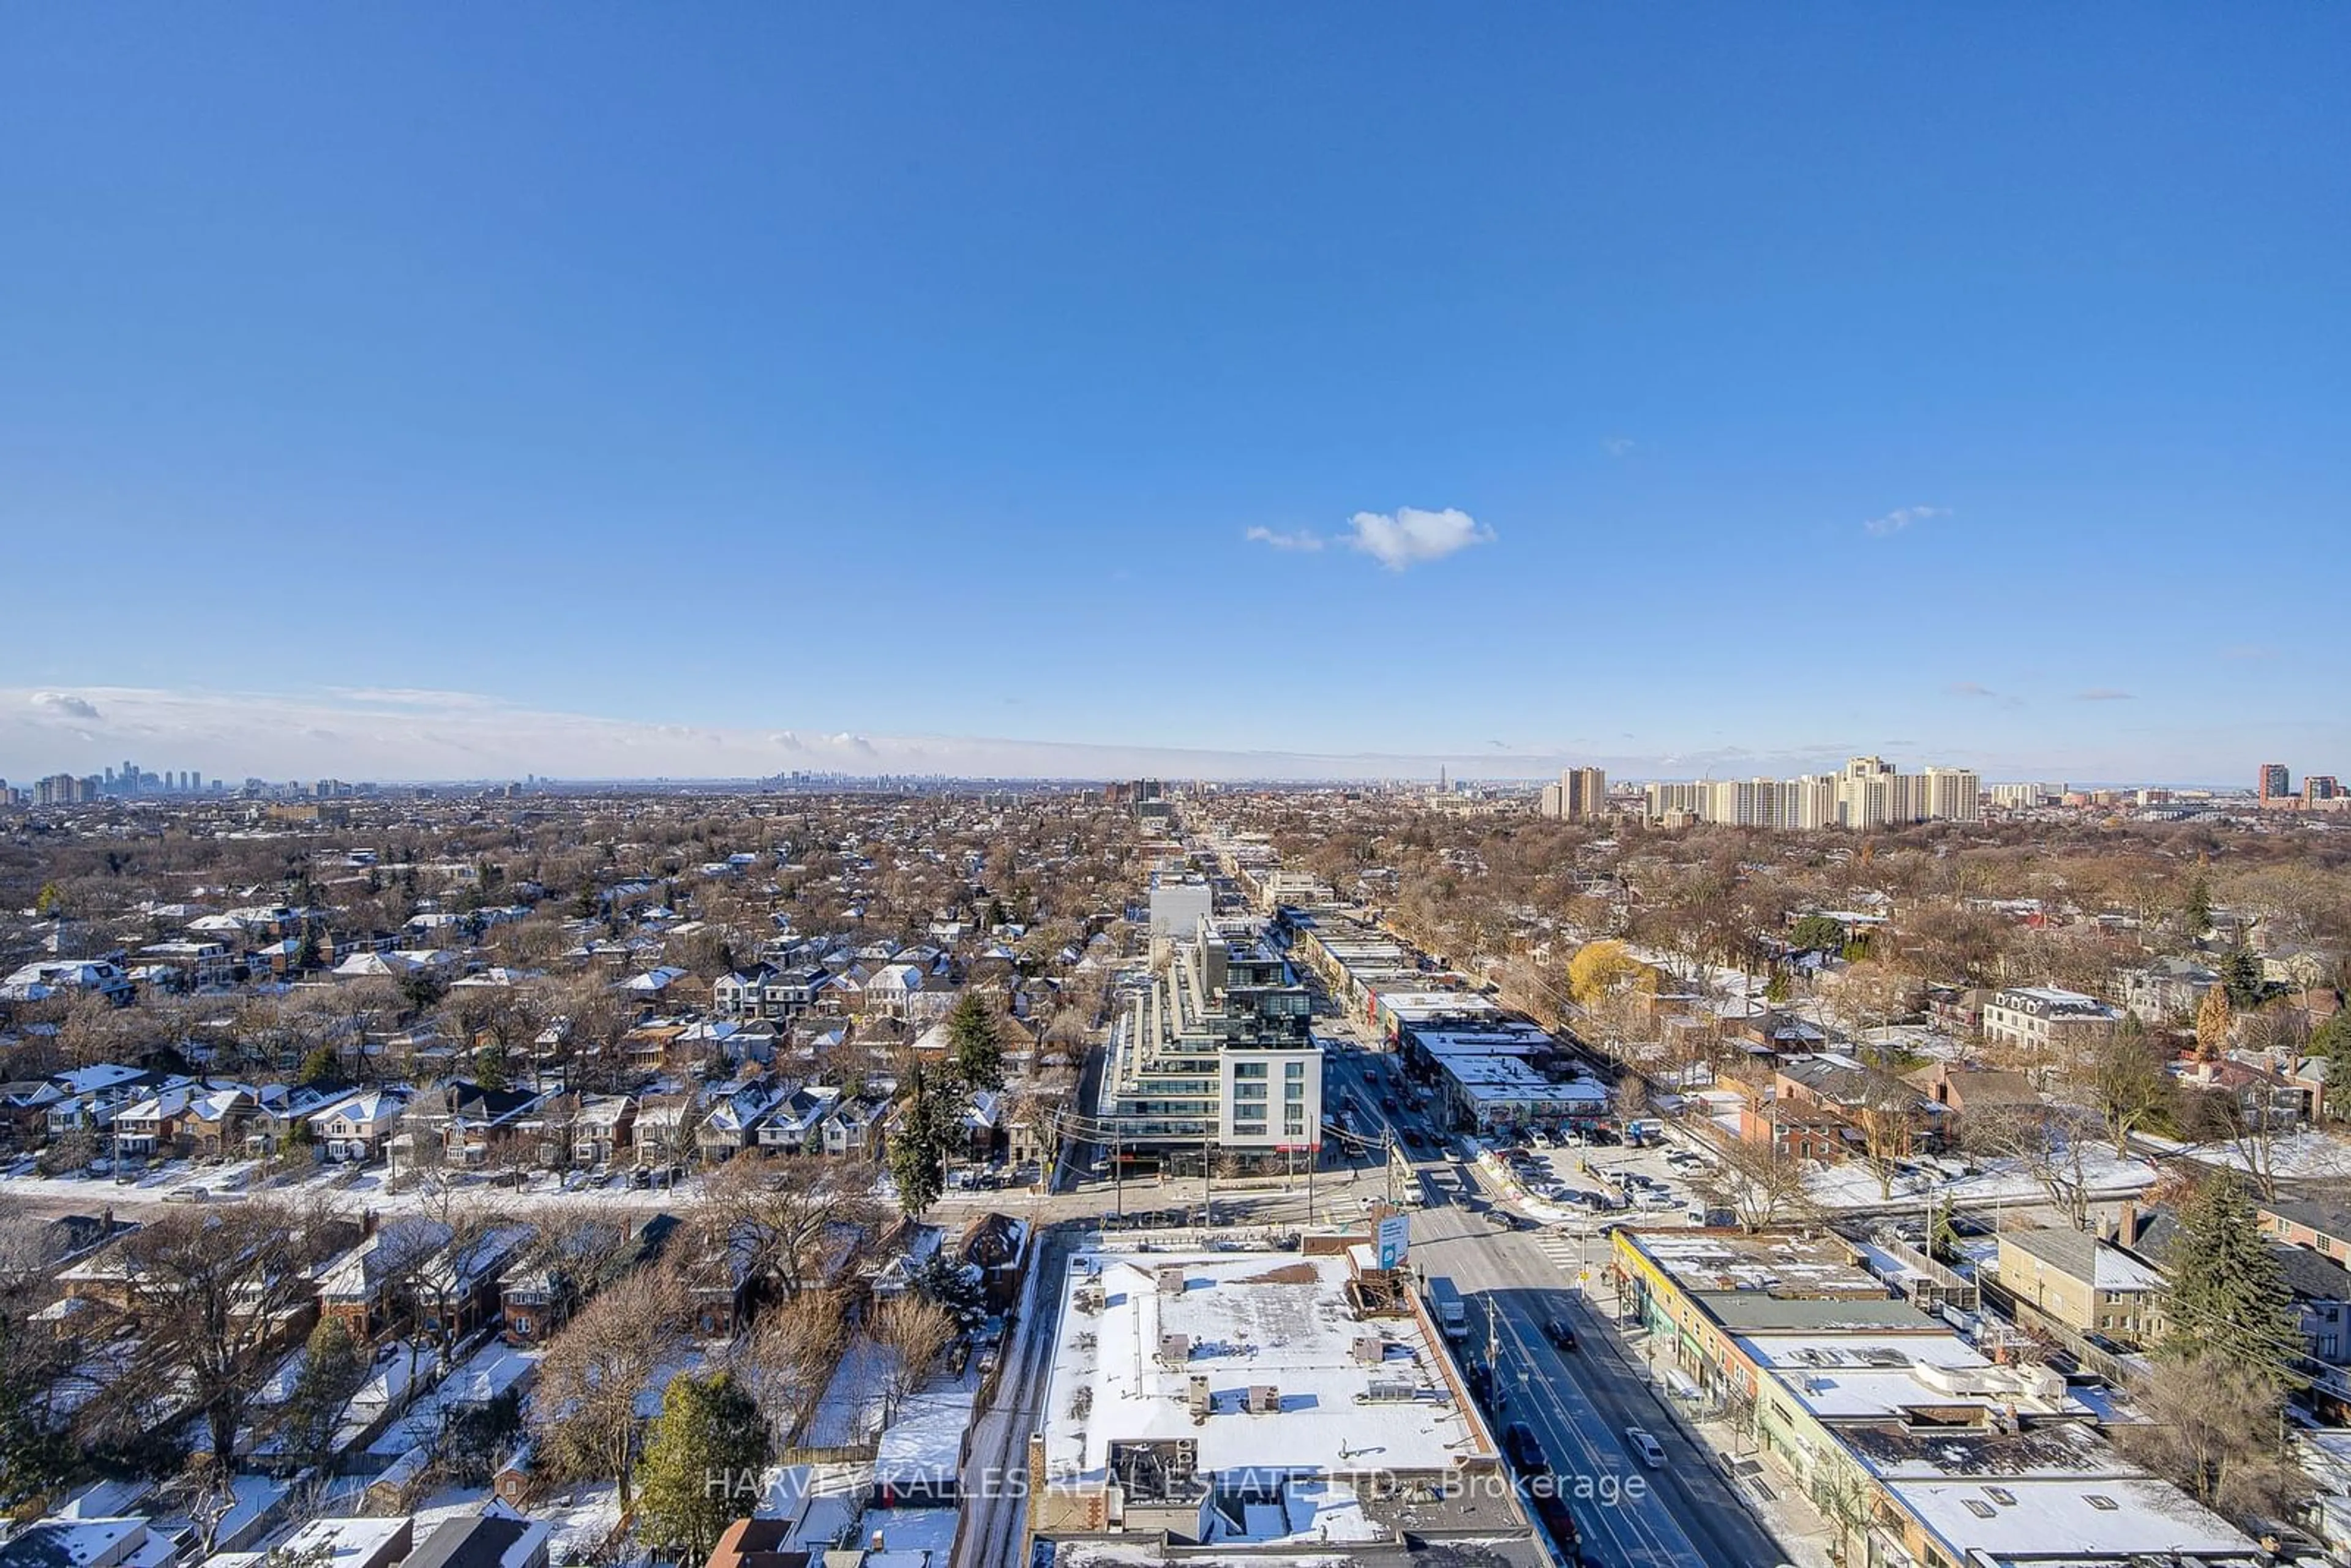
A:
x,y
953,1284
2197,916
920,1143
36,1458
702,1463
321,1068
332,1371
2224,1290
2332,1045
2242,972
973,1045
1819,934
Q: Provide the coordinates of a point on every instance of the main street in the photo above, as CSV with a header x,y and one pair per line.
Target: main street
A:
x,y
1581,1402
1578,1403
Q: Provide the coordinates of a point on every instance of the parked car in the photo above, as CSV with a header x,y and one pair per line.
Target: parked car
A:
x,y
1647,1449
1518,1440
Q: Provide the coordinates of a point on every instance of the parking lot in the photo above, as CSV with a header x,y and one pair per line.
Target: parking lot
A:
x,y
1659,1184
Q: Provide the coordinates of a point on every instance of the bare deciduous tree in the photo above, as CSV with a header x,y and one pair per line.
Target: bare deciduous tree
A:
x,y
213,1291
2125,1079
913,1332
2212,1428
2050,1142
1888,1118
1760,1182
585,1406
789,1355
786,1215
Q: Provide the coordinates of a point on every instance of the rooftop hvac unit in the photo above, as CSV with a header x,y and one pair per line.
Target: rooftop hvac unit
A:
x,y
1171,1279
1386,1392
1263,1399
1195,1396
1371,1350
1174,1349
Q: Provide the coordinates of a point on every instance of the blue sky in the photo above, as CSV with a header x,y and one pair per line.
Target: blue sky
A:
x,y
731,372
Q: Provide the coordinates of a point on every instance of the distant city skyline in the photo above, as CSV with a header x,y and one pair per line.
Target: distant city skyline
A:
x,y
404,736
1586,383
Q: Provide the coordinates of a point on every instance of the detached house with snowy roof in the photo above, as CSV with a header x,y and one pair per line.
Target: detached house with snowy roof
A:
x,y
795,1125
360,1127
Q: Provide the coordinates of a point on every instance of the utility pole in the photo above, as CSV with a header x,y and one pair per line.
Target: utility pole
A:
x,y
1208,1173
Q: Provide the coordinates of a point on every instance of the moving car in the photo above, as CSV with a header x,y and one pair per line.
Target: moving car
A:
x,y
1560,1333
1645,1447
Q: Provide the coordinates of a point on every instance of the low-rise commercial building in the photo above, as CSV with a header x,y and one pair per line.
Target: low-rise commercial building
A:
x,y
1496,1075
1261,1400
1923,1448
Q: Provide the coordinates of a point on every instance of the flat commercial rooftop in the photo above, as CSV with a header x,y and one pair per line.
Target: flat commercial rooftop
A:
x,y
1276,1320
2078,1521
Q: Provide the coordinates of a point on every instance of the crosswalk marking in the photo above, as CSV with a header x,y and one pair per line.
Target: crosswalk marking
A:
x,y
1560,1250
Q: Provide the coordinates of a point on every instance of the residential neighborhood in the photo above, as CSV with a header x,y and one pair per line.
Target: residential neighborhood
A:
x,y
839,1152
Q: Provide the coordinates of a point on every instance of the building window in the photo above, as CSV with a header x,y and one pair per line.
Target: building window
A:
x,y
1293,1070
1249,1070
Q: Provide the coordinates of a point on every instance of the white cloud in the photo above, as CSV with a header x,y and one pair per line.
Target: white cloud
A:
x,y
1970,689
2103,694
1301,540
1620,446
1412,536
69,707
1901,517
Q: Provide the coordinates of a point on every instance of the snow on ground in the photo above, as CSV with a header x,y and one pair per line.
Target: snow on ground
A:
x,y
2307,1155
851,1409
584,1519
924,1441
1855,1185
695,1359
345,1187
479,1379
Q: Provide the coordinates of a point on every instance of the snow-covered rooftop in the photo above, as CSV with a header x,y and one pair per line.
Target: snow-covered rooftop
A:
x,y
1275,1320
2077,1521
